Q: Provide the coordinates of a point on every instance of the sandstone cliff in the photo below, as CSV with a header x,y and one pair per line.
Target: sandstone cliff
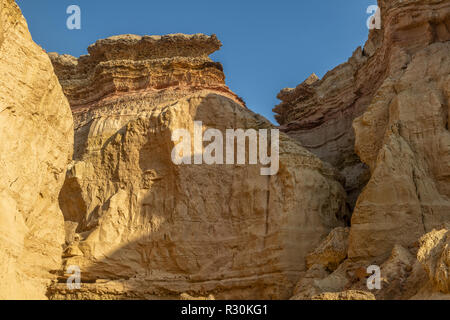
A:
x,y
395,93
141,227
36,129
403,135
147,228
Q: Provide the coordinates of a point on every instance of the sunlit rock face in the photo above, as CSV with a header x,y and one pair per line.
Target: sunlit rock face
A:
x,y
36,130
319,115
140,226
148,228
402,80
382,120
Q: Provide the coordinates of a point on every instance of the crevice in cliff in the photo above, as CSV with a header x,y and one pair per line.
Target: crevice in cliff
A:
x,y
71,201
414,178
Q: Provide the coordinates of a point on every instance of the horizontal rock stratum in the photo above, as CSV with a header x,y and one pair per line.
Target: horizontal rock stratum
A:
x,y
147,228
131,64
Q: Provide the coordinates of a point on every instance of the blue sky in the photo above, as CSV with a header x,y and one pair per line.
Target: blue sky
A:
x,y
267,45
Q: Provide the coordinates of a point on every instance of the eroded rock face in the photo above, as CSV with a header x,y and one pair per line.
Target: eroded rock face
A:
x,y
332,251
417,272
403,135
434,254
345,295
148,228
400,83
36,129
395,94
319,115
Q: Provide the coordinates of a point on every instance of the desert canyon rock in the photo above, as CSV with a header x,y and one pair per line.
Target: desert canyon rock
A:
x,y
147,228
36,129
363,179
395,93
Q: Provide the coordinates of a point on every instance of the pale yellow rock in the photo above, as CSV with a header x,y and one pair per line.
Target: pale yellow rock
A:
x,y
408,194
397,90
395,278
320,114
403,134
345,295
430,277
36,130
403,276
318,280
141,227
164,222
185,296
332,251
434,254
309,283
160,229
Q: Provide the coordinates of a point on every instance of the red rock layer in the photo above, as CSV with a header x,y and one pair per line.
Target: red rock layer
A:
x,y
170,65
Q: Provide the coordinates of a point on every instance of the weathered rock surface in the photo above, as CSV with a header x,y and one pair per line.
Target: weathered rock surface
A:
x,y
434,254
395,94
419,272
36,129
320,113
332,251
151,229
141,227
403,135
400,86
345,295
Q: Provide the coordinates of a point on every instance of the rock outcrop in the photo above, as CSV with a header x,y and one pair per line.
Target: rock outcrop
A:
x,y
395,94
148,228
403,135
319,115
36,129
399,84
434,255
345,295
332,251
96,185
418,272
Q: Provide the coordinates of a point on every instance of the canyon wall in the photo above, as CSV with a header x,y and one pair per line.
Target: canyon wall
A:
x,y
144,227
389,105
403,135
88,178
382,120
36,129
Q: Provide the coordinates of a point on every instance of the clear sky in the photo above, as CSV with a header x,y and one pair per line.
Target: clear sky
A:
x,y
267,45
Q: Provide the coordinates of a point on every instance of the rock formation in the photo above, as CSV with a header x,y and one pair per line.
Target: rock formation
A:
x,y
407,126
371,136
417,272
319,115
36,129
147,228
434,255
332,251
346,295
395,93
